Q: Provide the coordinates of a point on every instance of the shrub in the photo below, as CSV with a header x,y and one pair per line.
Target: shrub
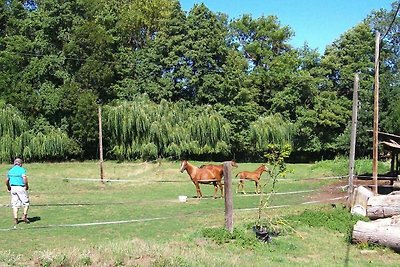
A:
x,y
335,218
240,237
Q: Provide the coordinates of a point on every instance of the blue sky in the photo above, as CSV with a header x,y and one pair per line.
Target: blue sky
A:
x,y
317,22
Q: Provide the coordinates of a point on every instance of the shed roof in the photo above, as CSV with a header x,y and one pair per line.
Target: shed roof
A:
x,y
389,140
393,146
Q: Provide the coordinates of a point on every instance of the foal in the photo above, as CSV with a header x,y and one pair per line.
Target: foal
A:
x,y
252,176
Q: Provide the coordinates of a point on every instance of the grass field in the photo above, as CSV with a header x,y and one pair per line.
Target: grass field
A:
x,y
134,218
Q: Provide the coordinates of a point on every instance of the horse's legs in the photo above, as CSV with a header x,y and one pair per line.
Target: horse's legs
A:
x,y
241,184
257,186
198,191
221,188
215,189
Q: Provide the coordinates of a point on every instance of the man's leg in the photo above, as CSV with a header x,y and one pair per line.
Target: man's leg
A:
x,y
25,216
24,198
15,214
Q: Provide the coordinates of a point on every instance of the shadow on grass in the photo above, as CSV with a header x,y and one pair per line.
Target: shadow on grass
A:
x,y
34,219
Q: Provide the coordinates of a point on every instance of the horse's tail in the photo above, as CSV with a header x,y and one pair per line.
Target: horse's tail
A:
x,y
237,174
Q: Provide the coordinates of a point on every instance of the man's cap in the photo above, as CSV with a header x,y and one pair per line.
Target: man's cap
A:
x,y
18,161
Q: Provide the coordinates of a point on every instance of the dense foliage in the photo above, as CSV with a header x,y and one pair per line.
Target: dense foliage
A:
x,y
333,218
46,143
59,60
147,130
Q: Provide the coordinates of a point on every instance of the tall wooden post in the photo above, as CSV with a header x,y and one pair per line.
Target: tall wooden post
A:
x,y
101,146
228,196
354,120
376,116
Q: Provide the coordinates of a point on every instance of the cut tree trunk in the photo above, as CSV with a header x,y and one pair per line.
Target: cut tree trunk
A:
x,y
361,195
383,206
385,232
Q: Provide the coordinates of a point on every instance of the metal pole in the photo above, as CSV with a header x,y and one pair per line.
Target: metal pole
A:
x,y
101,147
350,188
228,196
376,116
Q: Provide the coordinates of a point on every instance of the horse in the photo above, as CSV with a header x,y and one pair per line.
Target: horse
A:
x,y
218,170
252,176
202,176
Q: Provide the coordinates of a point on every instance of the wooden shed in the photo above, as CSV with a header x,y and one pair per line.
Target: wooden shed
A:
x,y
391,144
389,181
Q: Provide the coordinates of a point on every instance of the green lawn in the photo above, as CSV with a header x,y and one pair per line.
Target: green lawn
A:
x,y
135,218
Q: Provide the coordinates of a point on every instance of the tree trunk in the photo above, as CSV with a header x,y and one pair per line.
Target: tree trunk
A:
x,y
361,195
384,232
383,206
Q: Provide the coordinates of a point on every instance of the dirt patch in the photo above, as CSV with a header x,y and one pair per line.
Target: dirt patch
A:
x,y
337,191
332,193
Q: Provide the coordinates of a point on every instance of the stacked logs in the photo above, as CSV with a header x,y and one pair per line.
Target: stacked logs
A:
x,y
384,212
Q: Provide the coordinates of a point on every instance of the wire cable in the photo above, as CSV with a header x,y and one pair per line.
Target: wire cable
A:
x,y
391,24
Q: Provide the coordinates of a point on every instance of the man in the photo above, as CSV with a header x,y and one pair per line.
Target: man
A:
x,y
17,185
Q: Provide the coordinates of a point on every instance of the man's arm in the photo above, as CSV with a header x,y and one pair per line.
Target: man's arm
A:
x,y
8,184
25,181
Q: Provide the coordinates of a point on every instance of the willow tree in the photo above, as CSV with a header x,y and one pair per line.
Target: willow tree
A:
x,y
270,130
271,135
146,130
12,125
17,139
11,122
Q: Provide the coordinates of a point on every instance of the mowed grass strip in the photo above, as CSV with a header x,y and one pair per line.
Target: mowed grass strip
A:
x,y
116,220
144,194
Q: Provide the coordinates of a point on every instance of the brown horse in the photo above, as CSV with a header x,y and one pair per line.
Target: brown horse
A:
x,y
202,176
218,170
252,176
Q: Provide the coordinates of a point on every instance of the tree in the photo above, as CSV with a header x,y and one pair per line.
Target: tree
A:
x,y
160,67
264,43
147,130
59,59
141,20
270,131
388,24
40,142
239,103
319,126
354,52
206,54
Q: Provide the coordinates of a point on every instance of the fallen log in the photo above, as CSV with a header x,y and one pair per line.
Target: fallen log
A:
x,y
385,232
396,184
383,206
361,195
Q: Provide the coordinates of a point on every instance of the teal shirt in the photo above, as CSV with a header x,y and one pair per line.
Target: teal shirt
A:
x,y
15,175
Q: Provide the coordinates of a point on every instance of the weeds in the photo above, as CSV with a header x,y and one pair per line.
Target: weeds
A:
x,y
170,262
85,260
334,218
340,166
9,258
240,237
47,259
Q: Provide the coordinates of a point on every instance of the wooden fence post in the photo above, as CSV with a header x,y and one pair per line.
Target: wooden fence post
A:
x,y
376,116
354,121
101,146
228,196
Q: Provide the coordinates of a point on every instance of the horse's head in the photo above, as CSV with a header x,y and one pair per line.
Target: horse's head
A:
x,y
264,168
234,163
184,164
